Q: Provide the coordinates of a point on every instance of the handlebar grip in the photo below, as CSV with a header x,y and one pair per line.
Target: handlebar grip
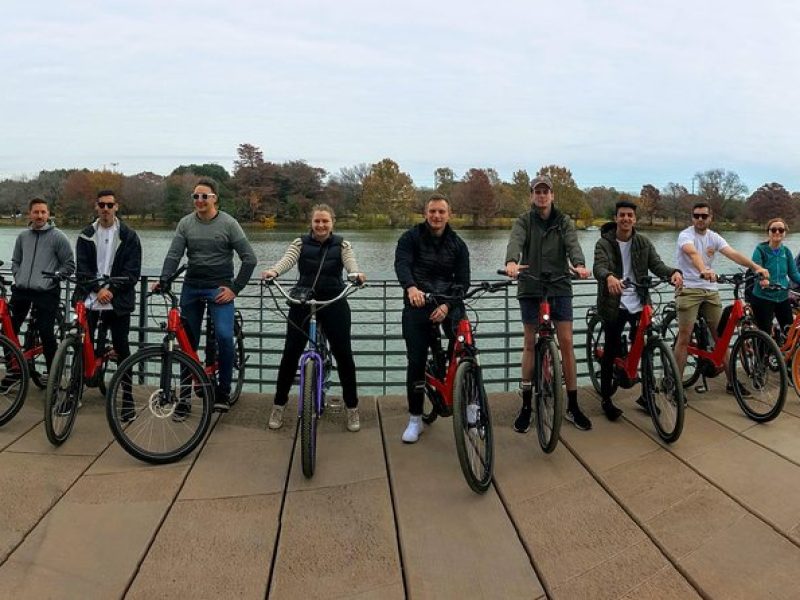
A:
x,y
501,272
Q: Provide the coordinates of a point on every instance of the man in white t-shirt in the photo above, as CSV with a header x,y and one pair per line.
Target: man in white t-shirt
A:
x,y
697,248
622,253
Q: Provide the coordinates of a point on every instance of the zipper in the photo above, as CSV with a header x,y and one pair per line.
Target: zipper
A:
x,y
33,260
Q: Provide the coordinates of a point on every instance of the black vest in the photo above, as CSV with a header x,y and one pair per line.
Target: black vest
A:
x,y
330,282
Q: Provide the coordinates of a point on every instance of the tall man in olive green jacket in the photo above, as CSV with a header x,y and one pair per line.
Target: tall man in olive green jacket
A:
x,y
622,253
544,240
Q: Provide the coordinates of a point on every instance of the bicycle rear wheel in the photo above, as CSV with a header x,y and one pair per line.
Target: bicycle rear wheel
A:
x,y
308,418
239,360
159,405
662,390
37,366
472,426
549,395
64,390
595,346
759,375
13,380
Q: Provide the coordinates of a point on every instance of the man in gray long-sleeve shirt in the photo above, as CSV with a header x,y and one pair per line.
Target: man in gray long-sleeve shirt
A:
x,y
209,237
39,248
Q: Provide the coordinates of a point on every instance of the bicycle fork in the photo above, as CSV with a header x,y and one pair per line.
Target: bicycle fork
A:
x,y
318,384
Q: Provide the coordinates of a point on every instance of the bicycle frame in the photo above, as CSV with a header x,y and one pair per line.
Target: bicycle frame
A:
x,y
92,363
464,346
7,327
630,364
717,355
177,332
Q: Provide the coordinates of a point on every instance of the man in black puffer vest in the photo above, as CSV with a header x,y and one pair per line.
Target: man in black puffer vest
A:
x,y
430,258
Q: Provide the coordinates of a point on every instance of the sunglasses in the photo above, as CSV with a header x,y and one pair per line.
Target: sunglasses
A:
x,y
777,230
541,192
203,196
702,216
106,204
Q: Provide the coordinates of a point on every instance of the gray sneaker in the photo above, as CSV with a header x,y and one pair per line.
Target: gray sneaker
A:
x,y
276,417
353,421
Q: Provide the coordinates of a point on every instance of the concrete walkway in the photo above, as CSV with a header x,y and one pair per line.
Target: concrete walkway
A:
x,y
612,513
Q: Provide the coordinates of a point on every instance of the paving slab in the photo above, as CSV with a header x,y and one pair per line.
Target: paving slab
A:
x,y
720,406
782,436
760,479
455,543
91,542
215,548
29,486
747,561
27,419
667,584
90,436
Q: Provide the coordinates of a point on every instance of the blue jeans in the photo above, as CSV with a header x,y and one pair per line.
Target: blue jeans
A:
x,y
193,303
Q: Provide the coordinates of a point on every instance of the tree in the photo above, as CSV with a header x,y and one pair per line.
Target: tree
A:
x,y
769,201
346,187
475,197
521,192
77,200
142,194
569,198
602,201
649,201
250,157
719,188
675,202
387,191
444,181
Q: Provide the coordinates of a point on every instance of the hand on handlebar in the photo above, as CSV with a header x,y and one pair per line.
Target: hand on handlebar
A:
x,y
268,274
614,285
582,272
416,297
358,279
513,269
709,275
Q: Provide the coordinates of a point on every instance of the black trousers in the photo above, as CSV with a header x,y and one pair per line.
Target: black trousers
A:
x,y
46,305
119,326
764,311
613,347
419,334
334,320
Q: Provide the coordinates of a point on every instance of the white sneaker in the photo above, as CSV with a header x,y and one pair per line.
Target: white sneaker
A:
x,y
414,429
276,417
472,414
353,421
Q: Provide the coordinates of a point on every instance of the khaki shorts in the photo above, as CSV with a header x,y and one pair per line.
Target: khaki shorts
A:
x,y
693,301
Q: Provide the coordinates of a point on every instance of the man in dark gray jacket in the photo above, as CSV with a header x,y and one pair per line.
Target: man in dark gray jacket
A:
x,y
622,253
544,240
209,237
41,247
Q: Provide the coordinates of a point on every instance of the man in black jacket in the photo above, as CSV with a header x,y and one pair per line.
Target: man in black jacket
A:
x,y
109,247
622,253
430,258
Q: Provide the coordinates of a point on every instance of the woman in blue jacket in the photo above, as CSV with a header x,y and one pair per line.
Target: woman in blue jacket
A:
x,y
777,258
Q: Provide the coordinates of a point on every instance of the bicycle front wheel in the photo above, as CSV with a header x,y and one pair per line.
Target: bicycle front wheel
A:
x,y
37,366
308,418
759,375
64,390
595,346
13,379
159,405
549,395
472,426
662,389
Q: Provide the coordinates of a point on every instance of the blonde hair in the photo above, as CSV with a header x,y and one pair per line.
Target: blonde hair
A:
x,y
322,207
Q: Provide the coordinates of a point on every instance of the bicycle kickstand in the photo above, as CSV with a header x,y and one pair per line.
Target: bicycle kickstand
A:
x,y
703,387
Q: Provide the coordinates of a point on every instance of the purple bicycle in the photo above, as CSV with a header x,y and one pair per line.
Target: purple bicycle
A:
x,y
315,366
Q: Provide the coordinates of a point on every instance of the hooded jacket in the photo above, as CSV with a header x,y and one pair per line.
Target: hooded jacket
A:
x,y
127,262
37,250
544,245
608,261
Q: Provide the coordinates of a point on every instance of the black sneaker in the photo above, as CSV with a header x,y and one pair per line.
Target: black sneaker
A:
x,y
65,408
612,412
523,421
580,420
222,402
182,411
745,393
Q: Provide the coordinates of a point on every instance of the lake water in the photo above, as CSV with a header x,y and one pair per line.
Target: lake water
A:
x,y
375,249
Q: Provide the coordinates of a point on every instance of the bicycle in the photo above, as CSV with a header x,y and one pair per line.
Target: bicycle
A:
x,y
31,347
159,402
755,357
78,362
315,366
548,375
661,383
457,390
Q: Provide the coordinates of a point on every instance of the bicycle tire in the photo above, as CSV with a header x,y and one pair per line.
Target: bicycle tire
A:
x,y
308,418
14,379
752,354
795,362
664,396
239,360
37,365
595,341
472,426
166,425
64,390
549,395
669,333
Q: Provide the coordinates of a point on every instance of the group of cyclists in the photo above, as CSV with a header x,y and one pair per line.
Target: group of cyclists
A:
x,y
430,259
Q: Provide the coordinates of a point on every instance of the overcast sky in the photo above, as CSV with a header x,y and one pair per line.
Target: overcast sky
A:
x,y
622,93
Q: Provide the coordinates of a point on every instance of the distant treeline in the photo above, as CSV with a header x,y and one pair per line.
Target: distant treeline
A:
x,y
381,195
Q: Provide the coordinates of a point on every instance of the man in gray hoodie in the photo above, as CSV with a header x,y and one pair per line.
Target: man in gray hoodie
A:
x,y
39,248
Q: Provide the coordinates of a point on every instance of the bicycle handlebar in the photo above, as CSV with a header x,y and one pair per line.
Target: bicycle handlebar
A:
x,y
543,278
647,282
85,282
484,286
349,289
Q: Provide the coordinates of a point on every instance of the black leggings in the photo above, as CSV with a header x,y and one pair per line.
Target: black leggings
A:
x,y
334,320
765,310
613,346
46,304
